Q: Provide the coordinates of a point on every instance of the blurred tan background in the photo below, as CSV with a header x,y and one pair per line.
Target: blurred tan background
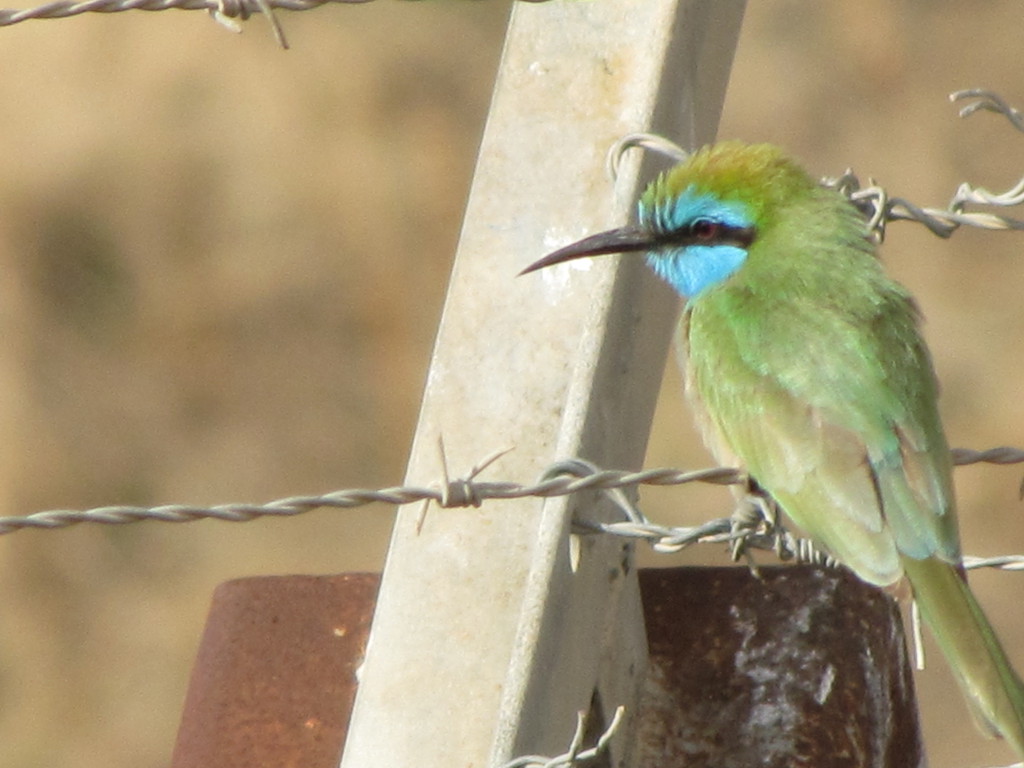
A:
x,y
222,266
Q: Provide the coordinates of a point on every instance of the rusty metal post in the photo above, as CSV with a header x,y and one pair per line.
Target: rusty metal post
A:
x,y
274,679
802,667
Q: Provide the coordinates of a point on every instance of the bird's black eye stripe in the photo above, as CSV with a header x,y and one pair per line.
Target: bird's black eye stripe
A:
x,y
743,236
708,232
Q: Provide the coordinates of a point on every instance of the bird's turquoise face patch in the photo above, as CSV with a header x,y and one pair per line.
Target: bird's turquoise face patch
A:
x,y
694,267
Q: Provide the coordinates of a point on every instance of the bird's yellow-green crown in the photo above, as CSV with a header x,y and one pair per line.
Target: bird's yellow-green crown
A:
x,y
760,176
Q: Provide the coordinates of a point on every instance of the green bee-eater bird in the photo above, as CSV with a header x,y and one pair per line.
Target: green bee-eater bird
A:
x,y
806,365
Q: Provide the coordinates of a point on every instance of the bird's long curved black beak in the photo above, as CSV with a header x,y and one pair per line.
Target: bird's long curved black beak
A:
x,y
622,240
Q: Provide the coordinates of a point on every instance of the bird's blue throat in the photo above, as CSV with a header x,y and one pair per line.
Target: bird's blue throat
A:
x,y
708,251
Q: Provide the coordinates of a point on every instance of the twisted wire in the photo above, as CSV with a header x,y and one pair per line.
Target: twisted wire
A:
x,y
1004,454
241,9
756,526
457,493
575,755
880,209
989,101
223,11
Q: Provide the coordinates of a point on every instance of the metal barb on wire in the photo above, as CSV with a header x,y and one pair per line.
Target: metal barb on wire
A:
x,y
575,755
989,101
917,635
227,11
461,492
1002,562
652,142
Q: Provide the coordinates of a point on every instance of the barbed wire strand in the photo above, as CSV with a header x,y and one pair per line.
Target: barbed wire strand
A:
x,y
227,13
461,492
574,755
753,525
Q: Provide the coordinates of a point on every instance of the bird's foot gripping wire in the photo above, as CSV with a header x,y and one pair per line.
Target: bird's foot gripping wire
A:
x,y
754,524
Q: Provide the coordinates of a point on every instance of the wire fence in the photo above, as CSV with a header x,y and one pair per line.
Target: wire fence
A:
x,y
755,522
753,525
227,13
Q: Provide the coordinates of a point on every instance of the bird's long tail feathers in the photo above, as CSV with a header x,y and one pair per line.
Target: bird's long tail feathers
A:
x,y
970,646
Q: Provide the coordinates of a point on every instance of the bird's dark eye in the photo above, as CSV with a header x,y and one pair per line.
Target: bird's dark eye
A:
x,y
705,229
